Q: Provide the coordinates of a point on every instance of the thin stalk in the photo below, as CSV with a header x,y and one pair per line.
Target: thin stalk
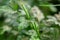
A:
x,y
25,9
36,28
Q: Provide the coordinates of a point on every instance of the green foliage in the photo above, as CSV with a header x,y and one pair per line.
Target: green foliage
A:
x,y
28,20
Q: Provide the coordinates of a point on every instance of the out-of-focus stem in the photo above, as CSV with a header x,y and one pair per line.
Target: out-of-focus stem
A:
x,y
25,9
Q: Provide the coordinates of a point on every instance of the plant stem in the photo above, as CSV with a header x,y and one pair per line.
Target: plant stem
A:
x,y
26,10
36,28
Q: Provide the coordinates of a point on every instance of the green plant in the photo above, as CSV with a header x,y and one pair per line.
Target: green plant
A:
x,y
29,20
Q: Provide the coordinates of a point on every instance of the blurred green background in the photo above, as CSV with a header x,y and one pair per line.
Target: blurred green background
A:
x,y
29,19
